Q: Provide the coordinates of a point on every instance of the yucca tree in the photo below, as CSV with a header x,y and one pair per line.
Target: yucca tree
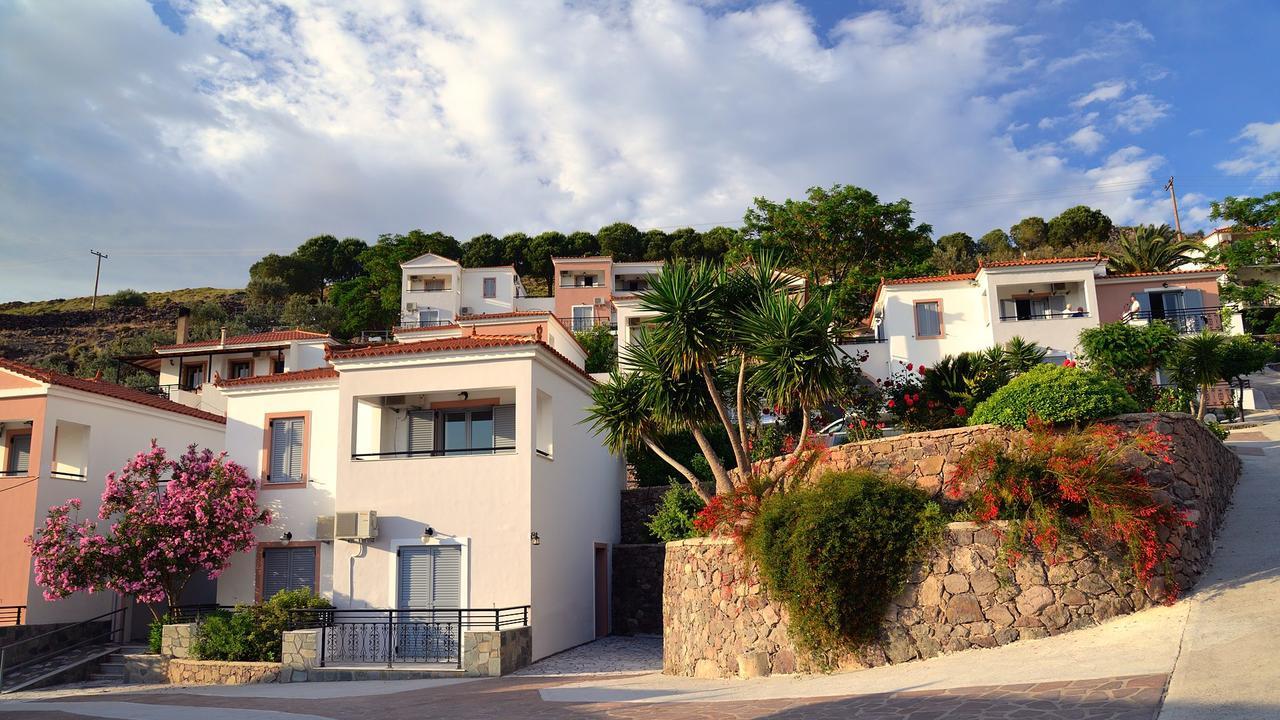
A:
x,y
747,289
793,347
1198,361
1149,248
1021,355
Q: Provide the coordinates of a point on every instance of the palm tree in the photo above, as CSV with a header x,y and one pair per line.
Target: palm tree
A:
x,y
1021,355
1153,249
1198,361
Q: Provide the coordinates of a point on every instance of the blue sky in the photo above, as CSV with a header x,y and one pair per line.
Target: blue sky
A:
x,y
186,138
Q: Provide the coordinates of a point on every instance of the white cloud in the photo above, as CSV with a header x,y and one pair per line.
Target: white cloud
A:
x,y
1101,92
1261,155
1087,139
1104,42
1140,112
267,123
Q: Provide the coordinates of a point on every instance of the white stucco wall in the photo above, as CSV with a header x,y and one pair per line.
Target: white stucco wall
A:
x,y
473,290
964,323
117,430
293,509
1058,334
575,506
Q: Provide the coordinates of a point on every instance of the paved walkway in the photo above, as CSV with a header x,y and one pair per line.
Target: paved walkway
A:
x,y
1213,655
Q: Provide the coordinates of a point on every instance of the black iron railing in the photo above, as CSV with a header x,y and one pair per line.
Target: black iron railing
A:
x,y
1184,321
404,635
67,475
179,614
1044,316
11,614
439,452
578,324
862,340
114,632
426,324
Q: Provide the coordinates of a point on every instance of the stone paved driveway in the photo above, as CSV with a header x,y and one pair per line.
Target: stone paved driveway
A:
x,y
1124,698
611,655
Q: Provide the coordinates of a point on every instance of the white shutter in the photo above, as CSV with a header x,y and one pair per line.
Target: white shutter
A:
x,y
504,426
422,431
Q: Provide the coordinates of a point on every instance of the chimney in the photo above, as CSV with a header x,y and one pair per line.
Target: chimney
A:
x,y
184,319
222,338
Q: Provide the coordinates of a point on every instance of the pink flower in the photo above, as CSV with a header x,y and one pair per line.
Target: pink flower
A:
x,y
921,370
862,423
910,366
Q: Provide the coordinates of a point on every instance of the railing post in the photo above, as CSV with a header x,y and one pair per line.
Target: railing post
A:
x,y
390,638
1,668
458,644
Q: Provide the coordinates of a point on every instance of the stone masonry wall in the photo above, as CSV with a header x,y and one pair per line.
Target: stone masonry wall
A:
x,y
719,621
176,639
218,672
637,589
638,505
493,653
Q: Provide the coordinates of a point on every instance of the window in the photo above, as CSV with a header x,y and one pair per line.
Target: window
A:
x,y
491,287
464,431
192,377
70,451
277,365
583,317
239,369
429,576
429,317
928,318
544,443
287,568
18,454
286,450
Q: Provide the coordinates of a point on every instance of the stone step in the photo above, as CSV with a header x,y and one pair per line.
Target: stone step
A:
x,y
102,677
111,668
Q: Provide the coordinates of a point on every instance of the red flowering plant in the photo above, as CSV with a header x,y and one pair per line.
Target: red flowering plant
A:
x,y
170,519
918,398
1073,487
731,513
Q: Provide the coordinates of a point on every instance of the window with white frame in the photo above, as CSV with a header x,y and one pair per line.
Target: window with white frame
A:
x,y
490,287
928,318
544,427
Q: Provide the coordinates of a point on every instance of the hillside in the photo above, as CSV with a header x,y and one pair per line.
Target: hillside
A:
x,y
66,335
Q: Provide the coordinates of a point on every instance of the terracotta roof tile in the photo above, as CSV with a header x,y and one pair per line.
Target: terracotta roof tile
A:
x,y
327,373
1213,269
253,338
513,313
471,342
931,279
111,390
1039,261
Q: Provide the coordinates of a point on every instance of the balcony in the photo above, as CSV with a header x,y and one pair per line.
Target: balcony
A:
x,y
579,324
582,280
473,422
1184,321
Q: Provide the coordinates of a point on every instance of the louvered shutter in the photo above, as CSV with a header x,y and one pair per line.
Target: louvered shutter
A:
x,y
295,450
20,453
414,577
279,451
302,568
446,580
504,427
422,431
275,571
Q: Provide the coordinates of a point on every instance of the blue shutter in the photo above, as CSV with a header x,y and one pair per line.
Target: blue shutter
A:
x,y
302,568
275,571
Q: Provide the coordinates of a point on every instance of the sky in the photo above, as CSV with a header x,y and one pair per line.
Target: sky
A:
x,y
187,138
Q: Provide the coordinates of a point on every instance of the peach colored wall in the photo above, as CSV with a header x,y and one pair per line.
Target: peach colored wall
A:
x,y
18,503
9,381
1113,297
566,298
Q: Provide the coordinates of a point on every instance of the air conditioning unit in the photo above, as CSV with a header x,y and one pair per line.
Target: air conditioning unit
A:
x,y
324,527
464,311
411,307
1058,287
601,301
356,525
393,400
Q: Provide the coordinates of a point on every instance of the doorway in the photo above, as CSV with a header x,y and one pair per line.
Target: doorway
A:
x,y
602,590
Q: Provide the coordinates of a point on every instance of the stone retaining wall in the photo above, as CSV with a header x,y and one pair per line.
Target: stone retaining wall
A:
x,y
637,589
145,668
638,505
493,653
218,672
719,621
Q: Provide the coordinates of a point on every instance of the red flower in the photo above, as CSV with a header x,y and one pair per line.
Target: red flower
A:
x,y
910,401
892,404
1069,363
910,366
922,369
880,425
961,412
862,423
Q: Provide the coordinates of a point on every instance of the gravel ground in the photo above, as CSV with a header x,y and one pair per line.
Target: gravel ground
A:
x,y
613,655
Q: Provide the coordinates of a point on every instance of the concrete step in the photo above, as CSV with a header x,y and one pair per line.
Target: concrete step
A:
x,y
111,668
103,677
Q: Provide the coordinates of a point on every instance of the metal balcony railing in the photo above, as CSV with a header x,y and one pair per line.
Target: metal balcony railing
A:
x,y
1057,315
578,324
438,452
1184,321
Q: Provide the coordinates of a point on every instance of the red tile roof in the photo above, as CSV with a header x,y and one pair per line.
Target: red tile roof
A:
x,y
286,377
1242,231
513,313
1217,269
931,279
471,342
251,339
111,390
1039,261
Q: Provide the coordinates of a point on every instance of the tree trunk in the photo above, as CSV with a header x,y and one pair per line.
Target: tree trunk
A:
x,y
723,483
1204,395
804,431
739,456
680,468
742,415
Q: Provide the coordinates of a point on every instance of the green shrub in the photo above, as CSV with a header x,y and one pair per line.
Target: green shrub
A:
x,y
1055,394
252,633
1218,430
837,552
125,298
155,631
674,517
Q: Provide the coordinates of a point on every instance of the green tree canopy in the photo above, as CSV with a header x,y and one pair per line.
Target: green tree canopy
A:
x,y
843,239
483,251
1079,226
996,244
623,241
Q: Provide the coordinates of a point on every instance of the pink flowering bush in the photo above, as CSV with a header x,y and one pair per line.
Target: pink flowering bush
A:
x,y
168,520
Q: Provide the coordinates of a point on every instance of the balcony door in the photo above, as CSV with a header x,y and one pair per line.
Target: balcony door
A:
x,y
428,585
18,457
1165,304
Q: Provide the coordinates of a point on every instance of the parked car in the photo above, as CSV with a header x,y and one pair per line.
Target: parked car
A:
x,y
835,433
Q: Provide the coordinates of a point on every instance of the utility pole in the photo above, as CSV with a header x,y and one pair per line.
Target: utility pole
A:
x,y
96,274
1177,221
